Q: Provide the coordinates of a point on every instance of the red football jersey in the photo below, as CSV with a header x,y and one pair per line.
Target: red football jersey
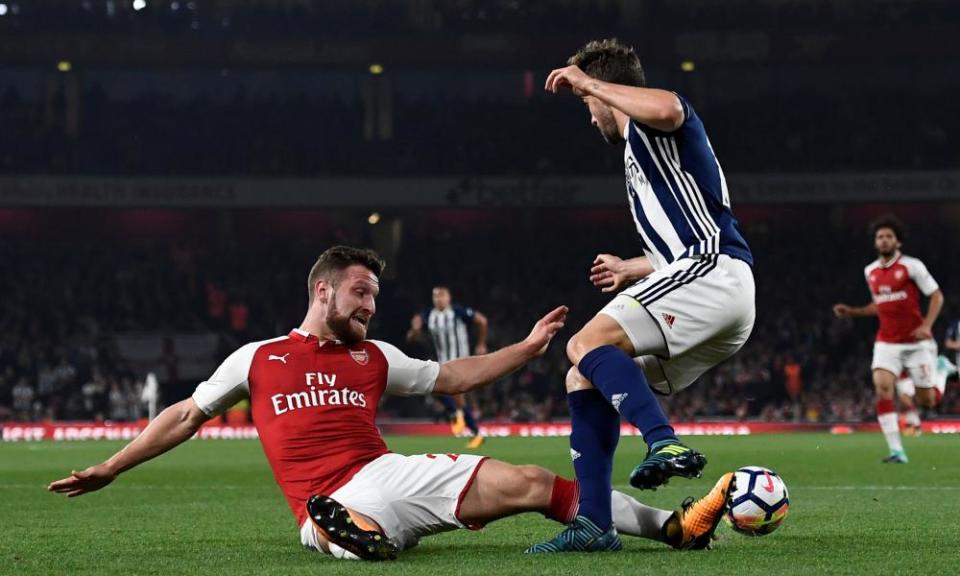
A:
x,y
314,405
896,287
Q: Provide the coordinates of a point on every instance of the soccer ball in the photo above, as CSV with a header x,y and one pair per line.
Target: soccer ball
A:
x,y
759,503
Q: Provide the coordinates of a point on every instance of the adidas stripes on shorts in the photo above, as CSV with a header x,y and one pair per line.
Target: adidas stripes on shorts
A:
x,y
687,317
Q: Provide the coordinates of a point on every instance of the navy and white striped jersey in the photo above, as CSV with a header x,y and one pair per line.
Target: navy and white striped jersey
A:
x,y
953,333
449,331
678,194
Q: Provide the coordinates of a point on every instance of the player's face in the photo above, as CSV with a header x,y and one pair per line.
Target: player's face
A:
x,y
441,298
601,116
886,243
353,304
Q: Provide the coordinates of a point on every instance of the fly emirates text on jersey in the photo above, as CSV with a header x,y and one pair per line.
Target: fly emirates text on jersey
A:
x,y
320,391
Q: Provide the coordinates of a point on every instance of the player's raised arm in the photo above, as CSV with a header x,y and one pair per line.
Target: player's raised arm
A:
x,y
465,374
659,109
169,429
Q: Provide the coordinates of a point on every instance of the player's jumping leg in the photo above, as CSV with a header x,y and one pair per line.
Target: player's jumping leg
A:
x,y
603,353
884,383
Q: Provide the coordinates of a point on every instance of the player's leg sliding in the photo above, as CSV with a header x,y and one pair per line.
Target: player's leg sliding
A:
x,y
692,527
689,528
624,385
335,523
593,440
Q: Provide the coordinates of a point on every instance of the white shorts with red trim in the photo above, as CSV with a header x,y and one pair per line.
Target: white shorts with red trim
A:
x,y
917,359
408,496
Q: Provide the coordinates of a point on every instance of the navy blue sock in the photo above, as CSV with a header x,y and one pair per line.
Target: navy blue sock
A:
x,y
470,421
623,384
593,441
449,405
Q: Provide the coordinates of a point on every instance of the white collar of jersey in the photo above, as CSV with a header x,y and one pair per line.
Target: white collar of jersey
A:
x,y
892,261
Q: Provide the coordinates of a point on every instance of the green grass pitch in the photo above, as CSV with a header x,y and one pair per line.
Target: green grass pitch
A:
x,y
211,507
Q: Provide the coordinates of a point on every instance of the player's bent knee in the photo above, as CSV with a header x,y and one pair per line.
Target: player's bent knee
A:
x,y
575,381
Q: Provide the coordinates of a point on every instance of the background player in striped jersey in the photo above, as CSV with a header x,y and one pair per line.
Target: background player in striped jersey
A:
x,y
449,325
905,336
683,307
952,340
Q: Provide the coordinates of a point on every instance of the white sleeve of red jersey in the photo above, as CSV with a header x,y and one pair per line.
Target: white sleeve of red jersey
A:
x,y
920,275
407,376
229,384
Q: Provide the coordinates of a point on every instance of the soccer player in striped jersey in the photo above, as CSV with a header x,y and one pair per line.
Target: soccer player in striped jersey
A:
x,y
449,327
683,307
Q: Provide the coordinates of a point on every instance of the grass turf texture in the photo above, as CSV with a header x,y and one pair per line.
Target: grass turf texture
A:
x,y
211,507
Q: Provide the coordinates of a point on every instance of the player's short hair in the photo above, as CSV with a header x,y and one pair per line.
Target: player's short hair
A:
x,y
331,264
610,60
889,222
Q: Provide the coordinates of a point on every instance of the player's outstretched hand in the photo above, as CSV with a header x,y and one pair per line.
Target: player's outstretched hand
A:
x,y
79,483
841,310
569,76
546,328
607,273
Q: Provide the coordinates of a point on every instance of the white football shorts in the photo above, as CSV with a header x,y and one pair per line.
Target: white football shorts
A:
x,y
918,359
687,317
408,496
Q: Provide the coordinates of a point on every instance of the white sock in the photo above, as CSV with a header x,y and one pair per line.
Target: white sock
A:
x,y
912,418
891,430
635,519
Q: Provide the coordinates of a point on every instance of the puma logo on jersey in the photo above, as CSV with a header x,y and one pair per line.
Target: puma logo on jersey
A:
x,y
669,318
280,358
616,399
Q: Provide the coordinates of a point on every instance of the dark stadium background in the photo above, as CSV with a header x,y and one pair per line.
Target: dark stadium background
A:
x,y
169,172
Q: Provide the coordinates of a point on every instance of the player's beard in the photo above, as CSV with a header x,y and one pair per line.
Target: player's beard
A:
x,y
607,125
342,325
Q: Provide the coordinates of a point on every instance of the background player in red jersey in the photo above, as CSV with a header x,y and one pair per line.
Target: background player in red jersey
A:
x,y
905,337
314,396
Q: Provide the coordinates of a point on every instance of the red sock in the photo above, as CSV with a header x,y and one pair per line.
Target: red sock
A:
x,y
885,407
564,501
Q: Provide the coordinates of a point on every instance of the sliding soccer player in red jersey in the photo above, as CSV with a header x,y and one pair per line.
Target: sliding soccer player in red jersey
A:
x,y
905,338
314,395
